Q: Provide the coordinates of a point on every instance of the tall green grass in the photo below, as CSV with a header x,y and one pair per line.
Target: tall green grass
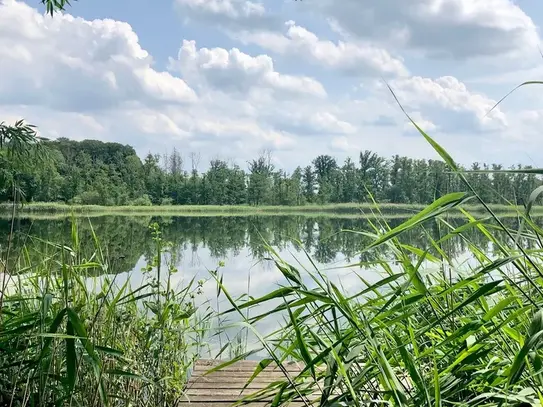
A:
x,y
413,339
426,333
67,338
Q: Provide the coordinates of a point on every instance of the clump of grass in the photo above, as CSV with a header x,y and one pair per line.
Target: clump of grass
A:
x,y
67,338
412,338
426,333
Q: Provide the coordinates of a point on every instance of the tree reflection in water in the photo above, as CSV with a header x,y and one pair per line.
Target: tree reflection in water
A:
x,y
127,239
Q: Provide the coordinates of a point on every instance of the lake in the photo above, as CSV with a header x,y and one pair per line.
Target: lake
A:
x,y
199,244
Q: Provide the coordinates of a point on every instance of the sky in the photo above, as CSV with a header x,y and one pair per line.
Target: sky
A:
x,y
230,78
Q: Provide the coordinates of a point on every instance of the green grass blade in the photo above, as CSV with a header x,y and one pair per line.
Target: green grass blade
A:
x,y
71,357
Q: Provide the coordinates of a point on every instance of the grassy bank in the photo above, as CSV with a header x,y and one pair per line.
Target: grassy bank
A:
x,y
353,209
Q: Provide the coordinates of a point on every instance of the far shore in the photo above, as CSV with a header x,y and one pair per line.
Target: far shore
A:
x,y
390,210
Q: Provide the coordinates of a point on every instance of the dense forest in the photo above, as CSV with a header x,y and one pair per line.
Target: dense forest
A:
x,y
94,172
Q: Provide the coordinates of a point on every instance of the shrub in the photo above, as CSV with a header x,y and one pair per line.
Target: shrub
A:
x,y
166,201
88,198
143,200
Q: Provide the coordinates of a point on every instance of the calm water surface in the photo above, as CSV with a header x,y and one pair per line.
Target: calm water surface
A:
x,y
200,243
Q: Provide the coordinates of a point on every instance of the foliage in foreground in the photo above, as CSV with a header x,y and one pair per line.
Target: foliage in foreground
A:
x,y
420,336
416,337
70,339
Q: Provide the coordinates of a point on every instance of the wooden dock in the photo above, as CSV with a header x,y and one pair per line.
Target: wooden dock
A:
x,y
223,388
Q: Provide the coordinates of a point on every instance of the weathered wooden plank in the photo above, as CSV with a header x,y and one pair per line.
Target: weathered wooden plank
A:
x,y
229,404
224,392
241,364
242,375
234,368
247,371
217,397
220,397
231,384
204,374
224,387
191,392
215,362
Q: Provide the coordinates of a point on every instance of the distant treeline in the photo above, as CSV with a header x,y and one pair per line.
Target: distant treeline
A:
x,y
94,172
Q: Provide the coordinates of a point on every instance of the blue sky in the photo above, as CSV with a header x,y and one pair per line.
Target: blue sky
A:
x,y
229,78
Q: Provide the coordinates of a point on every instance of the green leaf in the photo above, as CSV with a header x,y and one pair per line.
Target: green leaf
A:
x,y
486,289
531,201
128,375
535,333
440,150
527,83
81,332
499,307
438,207
437,389
109,351
290,273
416,279
46,304
263,364
71,358
304,351
279,293
392,381
411,367
232,361
53,328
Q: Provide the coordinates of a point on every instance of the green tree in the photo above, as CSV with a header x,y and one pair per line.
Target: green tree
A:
x,y
260,182
153,178
217,178
309,184
350,181
21,150
373,176
325,169
236,188
294,194
194,185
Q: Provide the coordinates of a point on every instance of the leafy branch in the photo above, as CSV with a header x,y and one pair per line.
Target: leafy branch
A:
x,y
53,6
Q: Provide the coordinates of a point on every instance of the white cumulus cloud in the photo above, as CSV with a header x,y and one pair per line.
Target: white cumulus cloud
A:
x,y
458,29
73,64
237,14
450,103
350,57
298,91
234,71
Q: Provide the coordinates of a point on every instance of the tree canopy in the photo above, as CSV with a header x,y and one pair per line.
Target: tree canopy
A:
x,y
107,173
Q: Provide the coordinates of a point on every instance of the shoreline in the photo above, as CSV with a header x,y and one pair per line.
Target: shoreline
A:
x,y
55,210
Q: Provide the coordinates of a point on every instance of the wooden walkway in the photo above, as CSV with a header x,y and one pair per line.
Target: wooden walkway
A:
x,y
223,388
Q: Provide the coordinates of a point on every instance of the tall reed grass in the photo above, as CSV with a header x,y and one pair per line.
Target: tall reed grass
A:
x,y
69,338
439,337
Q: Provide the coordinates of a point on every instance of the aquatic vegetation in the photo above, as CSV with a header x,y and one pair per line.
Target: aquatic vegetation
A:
x,y
68,337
